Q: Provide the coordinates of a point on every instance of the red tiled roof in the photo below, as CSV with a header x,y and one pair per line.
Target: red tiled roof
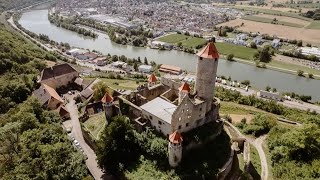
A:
x,y
175,137
152,78
107,98
209,52
184,87
53,93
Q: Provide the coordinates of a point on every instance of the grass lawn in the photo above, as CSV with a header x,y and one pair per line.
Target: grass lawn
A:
x,y
95,124
173,38
238,51
314,25
193,42
294,67
268,20
127,84
255,158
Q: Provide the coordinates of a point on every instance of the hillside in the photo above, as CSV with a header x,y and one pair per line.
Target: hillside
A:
x,y
9,4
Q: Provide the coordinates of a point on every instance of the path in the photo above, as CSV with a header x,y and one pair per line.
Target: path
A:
x,y
77,134
257,143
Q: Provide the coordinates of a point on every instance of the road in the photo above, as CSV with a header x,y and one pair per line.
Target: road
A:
x,y
91,162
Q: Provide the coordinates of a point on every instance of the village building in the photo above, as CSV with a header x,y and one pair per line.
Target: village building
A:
x,y
58,75
170,69
145,68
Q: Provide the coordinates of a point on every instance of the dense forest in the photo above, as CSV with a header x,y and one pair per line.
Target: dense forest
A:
x,y
33,144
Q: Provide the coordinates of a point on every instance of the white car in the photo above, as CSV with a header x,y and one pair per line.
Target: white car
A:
x,y
76,143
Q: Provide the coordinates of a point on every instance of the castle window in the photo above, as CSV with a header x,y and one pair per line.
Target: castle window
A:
x,y
160,122
187,110
185,104
182,110
200,109
201,58
189,117
150,117
179,127
179,118
187,124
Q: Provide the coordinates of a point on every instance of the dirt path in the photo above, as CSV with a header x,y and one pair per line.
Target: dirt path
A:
x,y
257,143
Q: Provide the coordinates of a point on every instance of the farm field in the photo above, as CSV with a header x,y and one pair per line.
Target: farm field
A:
x,y
269,20
186,41
286,19
272,11
306,35
314,25
193,42
307,5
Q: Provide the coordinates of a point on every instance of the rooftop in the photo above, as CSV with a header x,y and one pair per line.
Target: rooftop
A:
x,y
152,78
160,108
209,52
175,137
56,70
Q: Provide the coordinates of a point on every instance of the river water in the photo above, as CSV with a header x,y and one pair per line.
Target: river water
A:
x,y
37,22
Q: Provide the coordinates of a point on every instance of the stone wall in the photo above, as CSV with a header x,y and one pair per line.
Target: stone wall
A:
x,y
225,170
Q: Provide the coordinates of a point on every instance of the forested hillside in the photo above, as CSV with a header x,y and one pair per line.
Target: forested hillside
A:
x,y
33,144
10,4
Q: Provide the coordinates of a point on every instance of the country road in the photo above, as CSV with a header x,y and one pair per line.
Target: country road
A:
x,y
91,162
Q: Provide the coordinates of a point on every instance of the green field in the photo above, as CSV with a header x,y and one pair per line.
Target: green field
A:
x,y
268,20
95,124
314,25
193,42
294,67
238,51
173,38
272,12
187,41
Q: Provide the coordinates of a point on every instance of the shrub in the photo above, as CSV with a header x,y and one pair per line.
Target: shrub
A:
x,y
300,72
230,57
261,124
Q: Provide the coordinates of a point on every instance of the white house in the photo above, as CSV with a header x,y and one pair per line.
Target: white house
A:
x,y
145,68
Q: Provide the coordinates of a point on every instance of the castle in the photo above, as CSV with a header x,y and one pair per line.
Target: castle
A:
x,y
172,107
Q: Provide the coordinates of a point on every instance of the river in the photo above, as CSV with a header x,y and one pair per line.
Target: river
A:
x,y
37,22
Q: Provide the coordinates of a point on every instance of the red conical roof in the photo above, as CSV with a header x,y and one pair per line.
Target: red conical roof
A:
x,y
184,87
107,98
209,52
175,137
152,78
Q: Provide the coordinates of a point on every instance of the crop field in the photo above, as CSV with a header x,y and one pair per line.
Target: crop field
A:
x,y
314,25
238,51
272,12
286,19
306,35
268,20
186,41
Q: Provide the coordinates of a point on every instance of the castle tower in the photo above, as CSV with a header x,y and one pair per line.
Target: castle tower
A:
x,y
206,73
175,149
184,90
152,80
107,103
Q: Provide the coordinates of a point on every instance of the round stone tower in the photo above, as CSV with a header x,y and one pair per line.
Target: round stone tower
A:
x,y
175,149
184,90
107,103
206,73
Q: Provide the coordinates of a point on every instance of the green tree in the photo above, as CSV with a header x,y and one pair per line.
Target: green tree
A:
x,y
300,72
100,89
268,88
310,76
117,146
299,43
230,57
